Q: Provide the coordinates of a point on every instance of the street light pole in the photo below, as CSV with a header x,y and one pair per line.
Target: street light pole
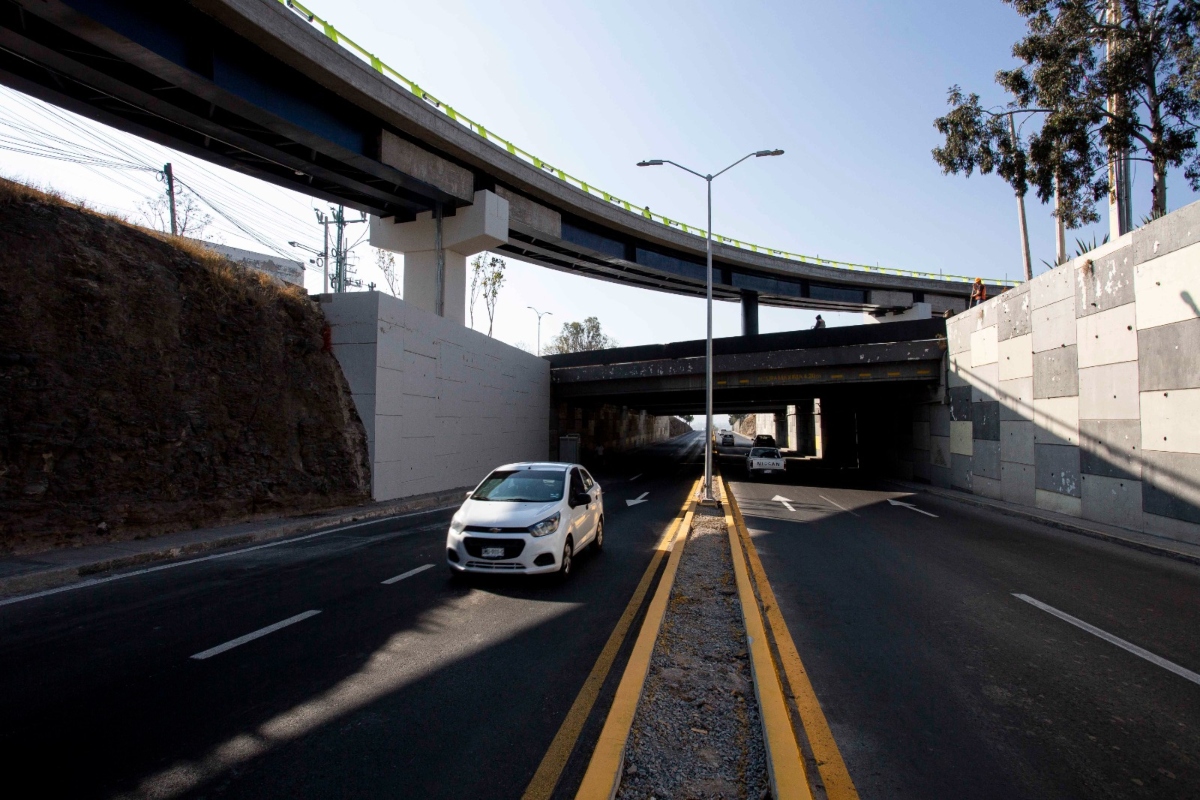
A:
x,y
708,353
540,314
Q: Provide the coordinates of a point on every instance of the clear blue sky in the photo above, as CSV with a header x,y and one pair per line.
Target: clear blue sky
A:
x,y
848,89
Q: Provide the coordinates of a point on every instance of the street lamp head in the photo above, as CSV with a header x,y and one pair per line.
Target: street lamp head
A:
x,y
762,153
294,244
654,162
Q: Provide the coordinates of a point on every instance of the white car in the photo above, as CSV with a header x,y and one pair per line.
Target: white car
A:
x,y
764,461
527,518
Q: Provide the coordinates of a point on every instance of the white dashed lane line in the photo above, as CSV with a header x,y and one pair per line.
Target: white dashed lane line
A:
x,y
1170,666
408,574
250,637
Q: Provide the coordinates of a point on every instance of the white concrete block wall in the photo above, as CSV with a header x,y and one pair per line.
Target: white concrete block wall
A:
x,y
442,404
1095,371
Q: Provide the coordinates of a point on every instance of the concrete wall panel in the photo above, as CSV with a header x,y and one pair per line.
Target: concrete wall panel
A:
x,y
985,382
958,334
1169,528
1106,282
984,347
940,476
1052,287
920,434
987,487
1016,358
939,420
960,472
960,438
985,461
958,367
960,404
1116,501
1054,326
986,419
1176,231
1016,399
1057,469
1168,288
1017,484
922,471
1171,485
1014,313
1171,421
939,451
1169,356
1016,442
1109,392
1108,337
1056,373
1111,447
1058,503
1056,420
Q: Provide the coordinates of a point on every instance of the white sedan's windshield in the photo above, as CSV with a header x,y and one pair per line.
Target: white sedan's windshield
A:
x,y
764,452
522,486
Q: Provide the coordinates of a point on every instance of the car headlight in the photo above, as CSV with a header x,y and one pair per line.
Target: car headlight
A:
x,y
457,525
547,526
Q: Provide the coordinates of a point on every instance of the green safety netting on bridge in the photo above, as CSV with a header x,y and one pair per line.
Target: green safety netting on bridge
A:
x,y
478,129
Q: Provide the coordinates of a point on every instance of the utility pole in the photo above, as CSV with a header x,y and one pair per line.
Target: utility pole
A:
x,y
339,250
171,197
323,221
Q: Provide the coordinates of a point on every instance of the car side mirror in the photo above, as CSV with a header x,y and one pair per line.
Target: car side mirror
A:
x,y
469,494
581,499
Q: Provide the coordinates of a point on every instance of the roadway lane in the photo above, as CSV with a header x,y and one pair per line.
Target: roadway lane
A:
x,y
939,682
421,687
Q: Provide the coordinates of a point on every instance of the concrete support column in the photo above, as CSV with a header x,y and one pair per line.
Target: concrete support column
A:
x,y
474,228
749,313
781,430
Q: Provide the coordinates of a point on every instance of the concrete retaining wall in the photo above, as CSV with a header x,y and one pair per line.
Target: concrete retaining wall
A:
x,y
442,404
1079,391
610,427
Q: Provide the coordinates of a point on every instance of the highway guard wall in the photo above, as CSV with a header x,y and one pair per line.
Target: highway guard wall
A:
x,y
442,404
1079,391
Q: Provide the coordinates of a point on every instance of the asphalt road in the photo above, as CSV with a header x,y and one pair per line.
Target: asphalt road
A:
x,y
938,682
422,687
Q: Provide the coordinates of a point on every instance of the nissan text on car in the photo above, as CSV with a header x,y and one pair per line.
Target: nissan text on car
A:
x,y
764,461
527,518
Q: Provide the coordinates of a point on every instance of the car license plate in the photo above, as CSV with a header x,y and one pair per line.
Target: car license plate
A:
x,y
767,471
493,552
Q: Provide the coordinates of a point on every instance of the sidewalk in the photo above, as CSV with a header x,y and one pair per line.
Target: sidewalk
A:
x,y
33,573
1181,551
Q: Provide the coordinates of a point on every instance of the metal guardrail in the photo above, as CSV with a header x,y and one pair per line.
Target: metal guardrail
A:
x,y
377,64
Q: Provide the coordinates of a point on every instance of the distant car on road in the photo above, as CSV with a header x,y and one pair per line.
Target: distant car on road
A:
x,y
727,440
764,461
527,518
764,440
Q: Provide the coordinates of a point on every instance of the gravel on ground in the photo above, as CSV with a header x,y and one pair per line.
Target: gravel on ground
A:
x,y
697,732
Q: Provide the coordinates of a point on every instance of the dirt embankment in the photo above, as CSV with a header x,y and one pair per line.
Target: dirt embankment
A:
x,y
147,386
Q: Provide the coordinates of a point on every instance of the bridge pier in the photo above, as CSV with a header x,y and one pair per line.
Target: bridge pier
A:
x,y
749,313
473,229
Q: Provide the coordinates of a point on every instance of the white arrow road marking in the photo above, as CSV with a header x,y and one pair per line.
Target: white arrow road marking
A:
x,y
910,505
250,637
784,500
637,500
1171,666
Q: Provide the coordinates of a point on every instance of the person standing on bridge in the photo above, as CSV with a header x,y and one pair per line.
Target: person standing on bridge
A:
x,y
978,293
820,323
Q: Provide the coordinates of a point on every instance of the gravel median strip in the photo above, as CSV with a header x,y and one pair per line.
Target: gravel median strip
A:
x,y
697,732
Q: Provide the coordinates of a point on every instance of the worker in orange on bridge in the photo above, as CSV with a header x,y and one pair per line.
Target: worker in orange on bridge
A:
x,y
978,293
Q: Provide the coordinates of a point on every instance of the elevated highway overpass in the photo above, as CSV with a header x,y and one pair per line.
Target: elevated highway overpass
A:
x,y
272,90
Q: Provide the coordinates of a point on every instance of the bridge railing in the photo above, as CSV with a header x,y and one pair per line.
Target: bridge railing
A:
x,y
379,66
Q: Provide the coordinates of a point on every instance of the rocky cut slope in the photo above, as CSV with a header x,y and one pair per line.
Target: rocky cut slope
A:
x,y
149,385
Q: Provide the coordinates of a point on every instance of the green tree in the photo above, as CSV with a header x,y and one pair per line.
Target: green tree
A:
x,y
487,277
1118,78
577,337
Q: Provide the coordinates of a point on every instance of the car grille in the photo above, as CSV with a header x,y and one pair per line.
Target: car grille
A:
x,y
485,529
490,565
475,545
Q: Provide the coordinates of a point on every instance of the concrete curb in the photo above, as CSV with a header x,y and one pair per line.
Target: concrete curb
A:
x,y
1115,537
53,577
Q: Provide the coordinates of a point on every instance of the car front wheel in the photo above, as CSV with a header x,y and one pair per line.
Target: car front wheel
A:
x,y
564,565
599,541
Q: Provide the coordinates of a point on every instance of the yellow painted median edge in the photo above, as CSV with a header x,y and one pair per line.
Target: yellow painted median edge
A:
x,y
603,776
550,769
830,764
785,765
